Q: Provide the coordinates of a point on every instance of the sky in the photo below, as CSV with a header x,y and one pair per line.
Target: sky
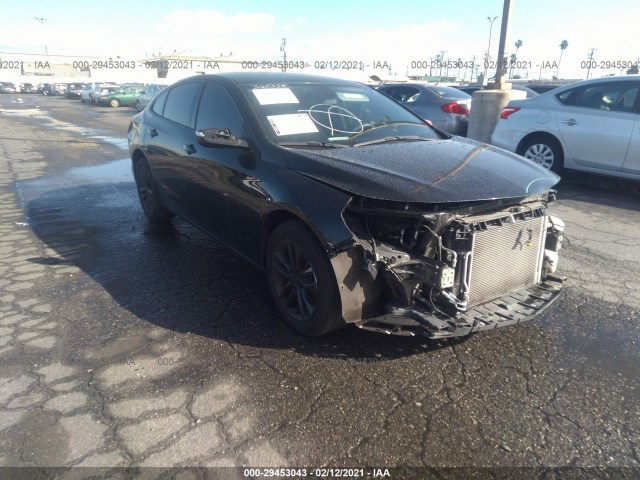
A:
x,y
400,33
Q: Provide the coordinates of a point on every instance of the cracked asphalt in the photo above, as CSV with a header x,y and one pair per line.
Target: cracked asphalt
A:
x,y
125,345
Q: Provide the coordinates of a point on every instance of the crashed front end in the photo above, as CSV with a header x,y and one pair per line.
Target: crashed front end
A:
x,y
447,270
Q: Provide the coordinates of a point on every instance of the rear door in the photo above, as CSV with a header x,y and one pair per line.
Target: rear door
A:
x,y
596,122
169,122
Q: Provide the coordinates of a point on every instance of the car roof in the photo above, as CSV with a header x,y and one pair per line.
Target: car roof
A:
x,y
243,78
611,78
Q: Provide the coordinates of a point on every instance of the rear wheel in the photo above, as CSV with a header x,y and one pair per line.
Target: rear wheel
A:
x,y
114,102
301,280
138,106
544,151
148,194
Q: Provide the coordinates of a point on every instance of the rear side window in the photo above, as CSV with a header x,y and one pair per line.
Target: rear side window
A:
x,y
403,94
158,104
610,96
568,97
179,104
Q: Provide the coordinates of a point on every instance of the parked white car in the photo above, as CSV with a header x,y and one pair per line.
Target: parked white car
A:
x,y
593,125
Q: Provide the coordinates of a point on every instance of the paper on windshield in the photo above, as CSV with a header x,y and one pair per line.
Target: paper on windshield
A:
x,y
292,124
274,96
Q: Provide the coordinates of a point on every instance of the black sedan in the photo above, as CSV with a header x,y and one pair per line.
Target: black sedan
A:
x,y
358,211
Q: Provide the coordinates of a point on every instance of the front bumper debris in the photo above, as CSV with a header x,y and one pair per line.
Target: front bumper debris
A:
x,y
515,307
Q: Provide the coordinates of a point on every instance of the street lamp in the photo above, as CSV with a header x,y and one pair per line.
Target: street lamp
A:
x,y
486,58
41,20
440,58
284,52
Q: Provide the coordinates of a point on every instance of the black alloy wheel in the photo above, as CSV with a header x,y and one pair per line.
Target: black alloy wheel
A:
x,y
302,281
147,193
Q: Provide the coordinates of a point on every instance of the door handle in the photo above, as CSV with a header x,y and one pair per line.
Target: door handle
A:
x,y
190,149
153,132
571,122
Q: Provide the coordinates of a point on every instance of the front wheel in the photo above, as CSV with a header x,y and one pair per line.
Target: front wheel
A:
x,y
148,194
544,151
302,281
138,106
114,102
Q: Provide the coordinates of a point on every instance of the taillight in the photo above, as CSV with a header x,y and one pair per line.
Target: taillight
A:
x,y
455,107
506,111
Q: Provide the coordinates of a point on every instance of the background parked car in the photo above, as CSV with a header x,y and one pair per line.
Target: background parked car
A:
x,y
474,88
446,108
7,87
591,125
148,94
103,90
90,89
27,88
42,87
125,96
54,89
74,89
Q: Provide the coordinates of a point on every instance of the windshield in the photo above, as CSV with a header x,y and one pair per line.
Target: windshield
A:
x,y
322,114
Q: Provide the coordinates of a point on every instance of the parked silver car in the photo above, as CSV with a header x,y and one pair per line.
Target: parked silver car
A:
x,y
591,125
445,108
149,92
7,87
91,90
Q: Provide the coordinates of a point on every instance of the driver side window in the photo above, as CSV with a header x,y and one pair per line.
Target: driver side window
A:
x,y
218,110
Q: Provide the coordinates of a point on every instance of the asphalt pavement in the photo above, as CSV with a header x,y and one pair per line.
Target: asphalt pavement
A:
x,y
127,345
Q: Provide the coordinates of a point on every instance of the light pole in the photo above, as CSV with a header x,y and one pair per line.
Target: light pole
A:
x,y
41,20
590,61
441,56
487,56
284,52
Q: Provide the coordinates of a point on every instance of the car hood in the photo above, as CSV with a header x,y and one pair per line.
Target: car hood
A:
x,y
436,171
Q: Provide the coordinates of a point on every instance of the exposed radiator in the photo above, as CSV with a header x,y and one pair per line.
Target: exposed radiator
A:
x,y
505,258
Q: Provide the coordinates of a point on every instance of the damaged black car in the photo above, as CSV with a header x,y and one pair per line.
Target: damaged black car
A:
x,y
358,211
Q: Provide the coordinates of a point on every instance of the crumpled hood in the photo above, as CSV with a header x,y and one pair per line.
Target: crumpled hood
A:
x,y
436,171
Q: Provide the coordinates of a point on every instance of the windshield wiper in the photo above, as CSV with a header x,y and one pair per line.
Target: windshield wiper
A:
x,y
312,144
395,138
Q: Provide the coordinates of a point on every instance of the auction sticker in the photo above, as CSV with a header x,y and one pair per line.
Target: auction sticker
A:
x,y
274,96
292,124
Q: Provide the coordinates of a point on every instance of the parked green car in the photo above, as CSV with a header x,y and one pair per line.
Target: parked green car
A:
x,y
126,95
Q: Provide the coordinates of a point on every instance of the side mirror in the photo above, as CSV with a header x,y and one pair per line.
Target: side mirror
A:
x,y
221,137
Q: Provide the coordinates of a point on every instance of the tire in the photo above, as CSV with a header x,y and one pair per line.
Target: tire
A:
x,y
544,151
302,281
138,106
114,102
148,194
